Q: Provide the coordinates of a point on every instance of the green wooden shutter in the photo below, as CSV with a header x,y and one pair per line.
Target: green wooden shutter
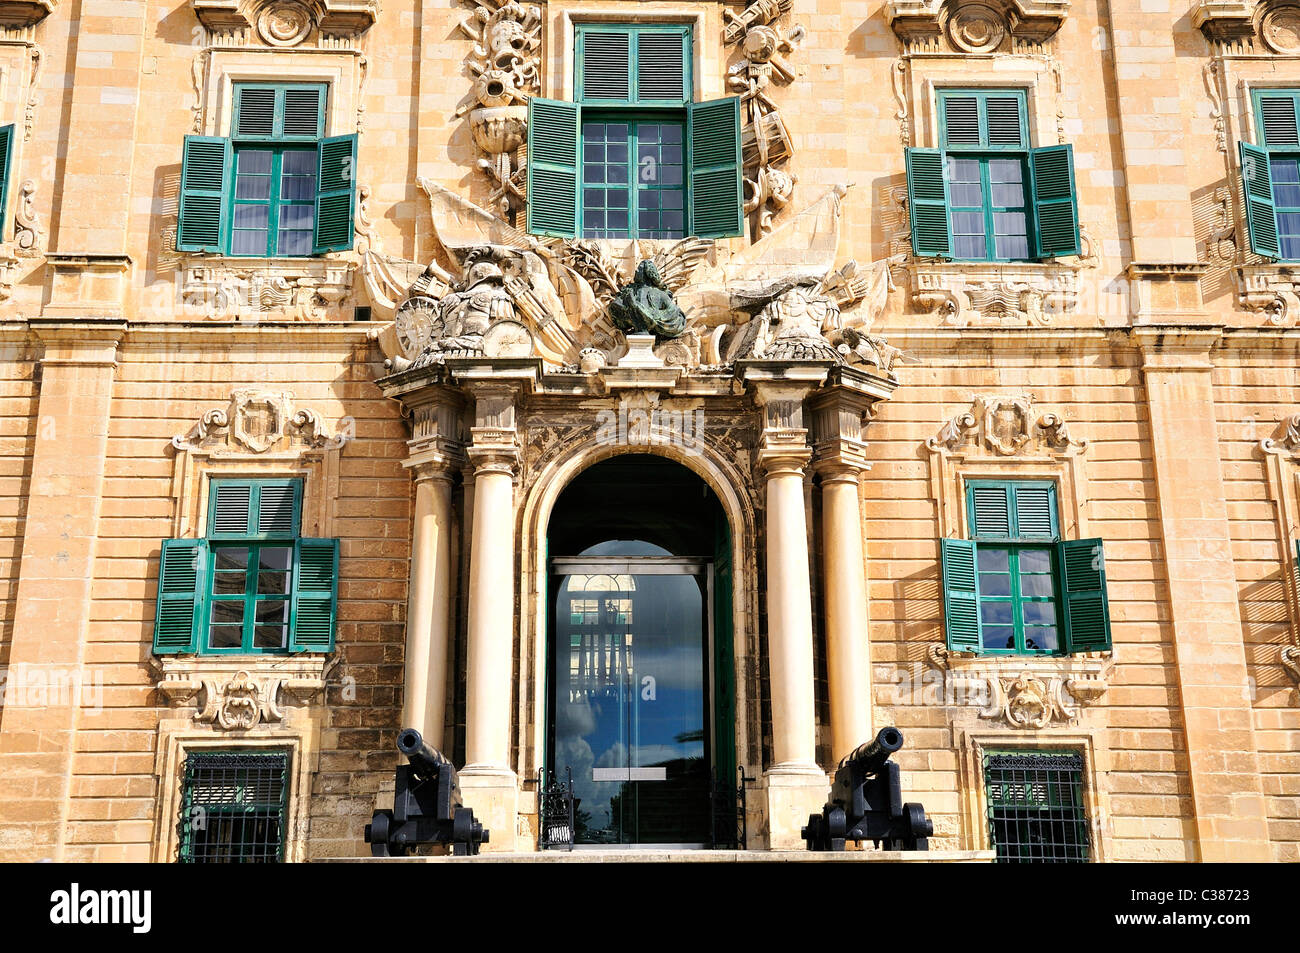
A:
x,y
553,167
663,66
315,595
336,187
6,170
231,510
255,112
927,199
1261,215
1035,510
961,120
1004,121
1082,567
961,610
278,508
204,169
1277,119
303,112
988,506
717,197
605,65
182,576
1056,207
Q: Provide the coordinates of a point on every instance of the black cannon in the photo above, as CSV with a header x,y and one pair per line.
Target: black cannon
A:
x,y
867,803
426,806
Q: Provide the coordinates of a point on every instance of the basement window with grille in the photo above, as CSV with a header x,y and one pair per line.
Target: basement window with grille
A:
x,y
1035,806
252,585
234,808
985,194
1015,587
633,156
276,187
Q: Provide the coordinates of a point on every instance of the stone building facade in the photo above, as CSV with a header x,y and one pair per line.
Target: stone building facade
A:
x,y
330,320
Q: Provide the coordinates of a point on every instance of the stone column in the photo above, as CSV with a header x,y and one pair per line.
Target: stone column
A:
x,y
840,462
52,611
488,783
795,786
428,615
1209,652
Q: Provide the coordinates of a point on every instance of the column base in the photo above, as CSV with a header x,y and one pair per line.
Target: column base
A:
x,y
493,792
791,793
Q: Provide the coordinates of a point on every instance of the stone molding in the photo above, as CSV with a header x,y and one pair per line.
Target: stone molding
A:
x,y
1007,426
975,27
1270,290
995,293
287,289
23,14
1028,692
240,693
259,434
1007,437
254,422
1247,27
285,24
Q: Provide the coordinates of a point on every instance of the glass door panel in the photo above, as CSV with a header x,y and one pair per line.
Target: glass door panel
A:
x,y
629,703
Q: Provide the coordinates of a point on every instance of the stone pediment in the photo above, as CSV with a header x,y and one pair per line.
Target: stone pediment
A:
x,y
19,14
287,23
257,422
980,27
1243,27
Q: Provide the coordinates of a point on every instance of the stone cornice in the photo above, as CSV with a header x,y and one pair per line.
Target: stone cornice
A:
x,y
981,28
18,14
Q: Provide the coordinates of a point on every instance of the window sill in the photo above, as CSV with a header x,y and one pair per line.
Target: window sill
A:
x,y
239,692
995,292
230,288
1027,691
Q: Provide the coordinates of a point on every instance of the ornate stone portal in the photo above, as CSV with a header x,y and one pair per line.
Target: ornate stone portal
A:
x,y
514,354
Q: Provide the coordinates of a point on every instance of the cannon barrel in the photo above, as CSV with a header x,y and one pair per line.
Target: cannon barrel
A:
x,y
872,755
425,760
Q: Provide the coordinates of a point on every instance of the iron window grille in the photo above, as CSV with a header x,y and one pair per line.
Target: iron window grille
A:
x,y
1035,807
234,808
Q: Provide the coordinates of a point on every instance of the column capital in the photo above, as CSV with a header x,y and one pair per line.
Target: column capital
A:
x,y
430,466
91,341
493,452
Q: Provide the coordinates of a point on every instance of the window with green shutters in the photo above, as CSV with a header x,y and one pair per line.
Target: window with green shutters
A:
x,y
6,173
1016,587
985,194
1270,176
633,156
276,186
252,585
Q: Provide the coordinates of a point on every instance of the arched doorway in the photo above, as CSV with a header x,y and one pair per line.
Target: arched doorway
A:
x,y
640,683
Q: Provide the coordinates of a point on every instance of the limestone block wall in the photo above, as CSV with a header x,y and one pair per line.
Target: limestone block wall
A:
x,y
19,425
162,388
1094,383
1256,399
